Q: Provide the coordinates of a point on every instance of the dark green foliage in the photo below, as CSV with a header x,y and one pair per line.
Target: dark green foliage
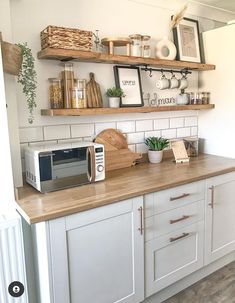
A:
x,y
28,78
115,92
156,143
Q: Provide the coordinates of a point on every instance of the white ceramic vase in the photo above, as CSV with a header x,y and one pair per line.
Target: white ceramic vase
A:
x,y
114,102
155,156
169,45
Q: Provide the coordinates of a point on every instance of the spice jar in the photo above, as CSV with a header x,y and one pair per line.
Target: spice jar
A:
x,y
191,145
55,93
136,43
146,50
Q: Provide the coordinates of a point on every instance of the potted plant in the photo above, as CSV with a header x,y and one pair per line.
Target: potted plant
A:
x,y
114,95
156,146
28,78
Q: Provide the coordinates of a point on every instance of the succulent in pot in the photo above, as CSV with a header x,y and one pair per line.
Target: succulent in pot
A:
x,y
114,95
156,146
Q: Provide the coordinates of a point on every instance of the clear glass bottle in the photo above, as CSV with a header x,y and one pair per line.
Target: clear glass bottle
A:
x,y
68,84
55,93
136,45
146,50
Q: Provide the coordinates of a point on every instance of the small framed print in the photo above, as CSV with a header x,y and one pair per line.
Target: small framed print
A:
x,y
187,42
128,79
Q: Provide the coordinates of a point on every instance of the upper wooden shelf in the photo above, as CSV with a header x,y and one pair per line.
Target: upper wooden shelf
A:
x,y
86,56
121,110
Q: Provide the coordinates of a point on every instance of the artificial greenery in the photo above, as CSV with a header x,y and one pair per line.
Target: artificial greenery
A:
x,y
28,78
156,143
115,92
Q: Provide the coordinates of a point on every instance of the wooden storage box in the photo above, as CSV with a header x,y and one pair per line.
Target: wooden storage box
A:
x,y
66,38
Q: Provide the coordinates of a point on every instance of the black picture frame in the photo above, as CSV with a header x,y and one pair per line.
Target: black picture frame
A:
x,y
128,79
182,34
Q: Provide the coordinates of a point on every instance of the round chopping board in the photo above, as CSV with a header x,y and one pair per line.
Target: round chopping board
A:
x,y
112,139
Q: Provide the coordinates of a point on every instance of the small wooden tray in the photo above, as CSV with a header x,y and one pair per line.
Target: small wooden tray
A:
x,y
116,42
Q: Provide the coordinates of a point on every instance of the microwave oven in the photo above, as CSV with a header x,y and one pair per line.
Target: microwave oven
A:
x,y
54,167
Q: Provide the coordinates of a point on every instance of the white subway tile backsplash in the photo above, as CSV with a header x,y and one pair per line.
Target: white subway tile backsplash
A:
x,y
191,121
56,132
183,132
82,130
101,126
176,122
154,133
169,133
141,148
143,125
132,147
134,138
31,134
161,123
194,131
43,143
126,126
74,140
88,139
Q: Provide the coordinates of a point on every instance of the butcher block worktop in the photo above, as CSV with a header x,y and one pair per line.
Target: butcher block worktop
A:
x,y
119,185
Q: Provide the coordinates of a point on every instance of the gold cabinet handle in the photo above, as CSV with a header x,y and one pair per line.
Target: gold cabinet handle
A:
x,y
180,219
212,188
180,237
141,228
179,197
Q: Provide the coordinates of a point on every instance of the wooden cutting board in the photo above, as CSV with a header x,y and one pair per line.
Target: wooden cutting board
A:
x,y
112,139
94,97
120,158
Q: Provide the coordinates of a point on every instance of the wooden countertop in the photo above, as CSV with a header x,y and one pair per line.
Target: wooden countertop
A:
x,y
119,185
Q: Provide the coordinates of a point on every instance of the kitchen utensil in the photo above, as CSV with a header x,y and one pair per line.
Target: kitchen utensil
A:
x,y
94,97
114,139
120,158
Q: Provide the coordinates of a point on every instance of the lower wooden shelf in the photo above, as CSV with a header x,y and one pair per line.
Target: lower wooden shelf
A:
x,y
121,110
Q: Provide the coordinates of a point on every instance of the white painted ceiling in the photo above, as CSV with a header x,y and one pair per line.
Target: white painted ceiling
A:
x,y
222,4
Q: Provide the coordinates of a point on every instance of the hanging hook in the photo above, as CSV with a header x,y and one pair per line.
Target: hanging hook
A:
x,y
150,72
146,67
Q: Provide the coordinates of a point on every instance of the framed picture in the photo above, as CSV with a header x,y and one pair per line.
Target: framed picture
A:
x,y
128,79
187,42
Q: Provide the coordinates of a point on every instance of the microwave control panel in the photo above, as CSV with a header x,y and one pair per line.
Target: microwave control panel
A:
x,y
99,163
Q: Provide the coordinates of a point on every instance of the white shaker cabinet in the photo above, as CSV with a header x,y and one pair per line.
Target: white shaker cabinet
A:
x,y
95,256
220,217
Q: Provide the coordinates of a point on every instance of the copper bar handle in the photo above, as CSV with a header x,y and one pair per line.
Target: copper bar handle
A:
x,y
179,197
212,188
180,237
141,228
180,219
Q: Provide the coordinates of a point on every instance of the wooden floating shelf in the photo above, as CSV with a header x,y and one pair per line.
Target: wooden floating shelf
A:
x,y
86,56
121,110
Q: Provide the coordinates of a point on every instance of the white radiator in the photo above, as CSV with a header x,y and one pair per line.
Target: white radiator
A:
x,y
12,267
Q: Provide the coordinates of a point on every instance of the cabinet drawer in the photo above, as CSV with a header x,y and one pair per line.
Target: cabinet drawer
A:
x,y
172,220
174,256
168,199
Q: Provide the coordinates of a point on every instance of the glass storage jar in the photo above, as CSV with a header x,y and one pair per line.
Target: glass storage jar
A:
x,y
55,93
80,86
136,45
68,83
146,50
191,145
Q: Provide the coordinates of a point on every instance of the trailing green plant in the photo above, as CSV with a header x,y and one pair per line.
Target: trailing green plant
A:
x,y
156,143
115,92
28,78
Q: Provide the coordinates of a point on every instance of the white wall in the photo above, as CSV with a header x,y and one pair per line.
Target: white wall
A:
x,y
112,18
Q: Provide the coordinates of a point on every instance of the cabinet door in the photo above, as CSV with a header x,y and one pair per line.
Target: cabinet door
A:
x,y
220,217
98,255
173,256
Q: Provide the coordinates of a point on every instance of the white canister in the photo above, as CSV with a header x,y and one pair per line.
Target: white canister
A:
x,y
136,45
182,99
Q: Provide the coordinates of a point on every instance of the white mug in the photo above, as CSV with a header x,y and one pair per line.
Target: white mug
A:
x,y
174,82
183,83
163,83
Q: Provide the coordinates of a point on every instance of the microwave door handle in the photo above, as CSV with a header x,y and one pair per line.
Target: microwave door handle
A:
x,y
92,170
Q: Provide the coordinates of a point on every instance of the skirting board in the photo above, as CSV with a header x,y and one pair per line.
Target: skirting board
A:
x,y
189,280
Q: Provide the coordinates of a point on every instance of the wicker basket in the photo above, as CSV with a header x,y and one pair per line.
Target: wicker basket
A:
x,y
66,38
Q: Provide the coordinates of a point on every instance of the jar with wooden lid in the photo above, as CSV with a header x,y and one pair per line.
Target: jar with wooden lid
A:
x,y
55,93
146,50
136,45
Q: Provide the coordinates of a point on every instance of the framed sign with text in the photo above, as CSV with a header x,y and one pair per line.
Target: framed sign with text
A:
x,y
128,79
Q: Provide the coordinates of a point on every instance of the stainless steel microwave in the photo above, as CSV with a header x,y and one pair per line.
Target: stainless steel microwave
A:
x,y
55,167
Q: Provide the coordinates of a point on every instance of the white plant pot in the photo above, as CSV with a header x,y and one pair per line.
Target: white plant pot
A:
x,y
114,102
155,156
